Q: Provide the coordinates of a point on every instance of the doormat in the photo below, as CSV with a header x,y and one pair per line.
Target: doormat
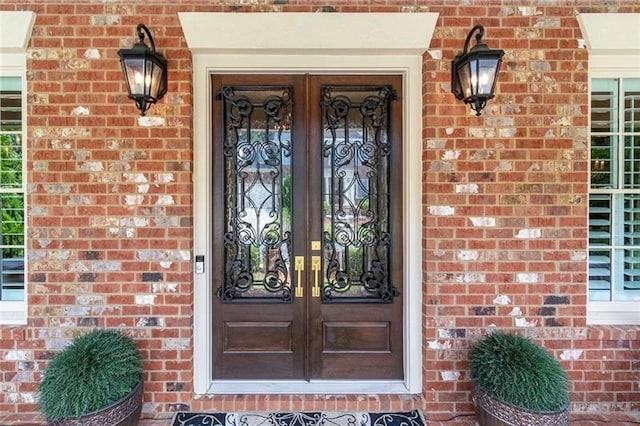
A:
x,y
300,418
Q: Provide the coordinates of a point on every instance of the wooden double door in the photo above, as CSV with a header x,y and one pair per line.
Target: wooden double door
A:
x,y
307,227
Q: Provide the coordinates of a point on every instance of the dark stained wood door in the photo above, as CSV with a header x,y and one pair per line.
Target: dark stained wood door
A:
x,y
307,232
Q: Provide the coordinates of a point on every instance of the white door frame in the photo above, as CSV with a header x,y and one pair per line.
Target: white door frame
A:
x,y
318,43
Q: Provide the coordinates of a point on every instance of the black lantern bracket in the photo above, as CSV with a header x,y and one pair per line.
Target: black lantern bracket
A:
x,y
474,72
145,71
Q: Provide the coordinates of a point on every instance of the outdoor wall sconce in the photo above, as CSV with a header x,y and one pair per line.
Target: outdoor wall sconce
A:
x,y
145,71
474,73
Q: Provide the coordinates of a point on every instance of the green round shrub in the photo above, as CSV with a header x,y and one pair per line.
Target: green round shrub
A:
x,y
96,370
517,371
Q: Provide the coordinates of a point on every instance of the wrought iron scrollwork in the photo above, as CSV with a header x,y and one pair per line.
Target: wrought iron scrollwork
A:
x,y
257,151
356,150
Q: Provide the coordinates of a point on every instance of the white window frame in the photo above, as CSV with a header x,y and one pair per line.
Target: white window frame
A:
x,y
319,43
15,32
614,52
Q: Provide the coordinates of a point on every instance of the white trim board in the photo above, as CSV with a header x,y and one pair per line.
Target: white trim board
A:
x,y
336,43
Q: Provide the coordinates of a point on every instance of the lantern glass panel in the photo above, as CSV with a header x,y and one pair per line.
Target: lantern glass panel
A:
x,y
464,77
156,78
486,75
135,76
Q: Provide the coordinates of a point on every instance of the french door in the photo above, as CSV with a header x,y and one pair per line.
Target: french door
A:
x,y
307,227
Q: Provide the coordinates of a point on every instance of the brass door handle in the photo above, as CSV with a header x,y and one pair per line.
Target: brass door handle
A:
x,y
316,264
299,267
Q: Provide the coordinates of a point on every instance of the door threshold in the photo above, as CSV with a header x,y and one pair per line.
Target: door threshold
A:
x,y
307,387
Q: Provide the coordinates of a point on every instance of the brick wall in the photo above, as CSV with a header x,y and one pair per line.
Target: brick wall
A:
x,y
504,204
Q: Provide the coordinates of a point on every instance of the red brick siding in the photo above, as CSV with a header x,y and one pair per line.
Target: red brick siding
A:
x,y
504,205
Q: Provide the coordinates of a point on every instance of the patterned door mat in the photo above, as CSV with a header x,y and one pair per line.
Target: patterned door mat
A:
x,y
300,418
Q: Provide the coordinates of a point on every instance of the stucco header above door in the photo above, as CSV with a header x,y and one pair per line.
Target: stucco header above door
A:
x,y
309,33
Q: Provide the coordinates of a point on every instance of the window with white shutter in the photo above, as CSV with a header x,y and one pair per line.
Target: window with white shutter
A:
x,y
15,32
614,167
614,196
11,190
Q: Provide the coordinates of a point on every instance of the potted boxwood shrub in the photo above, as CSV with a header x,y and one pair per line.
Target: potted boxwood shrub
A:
x,y
516,381
96,380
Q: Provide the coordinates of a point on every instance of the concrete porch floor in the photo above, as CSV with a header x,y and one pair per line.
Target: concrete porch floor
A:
x,y
577,419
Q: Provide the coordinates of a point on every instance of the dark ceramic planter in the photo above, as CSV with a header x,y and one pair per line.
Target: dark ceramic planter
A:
x,y
124,412
493,412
